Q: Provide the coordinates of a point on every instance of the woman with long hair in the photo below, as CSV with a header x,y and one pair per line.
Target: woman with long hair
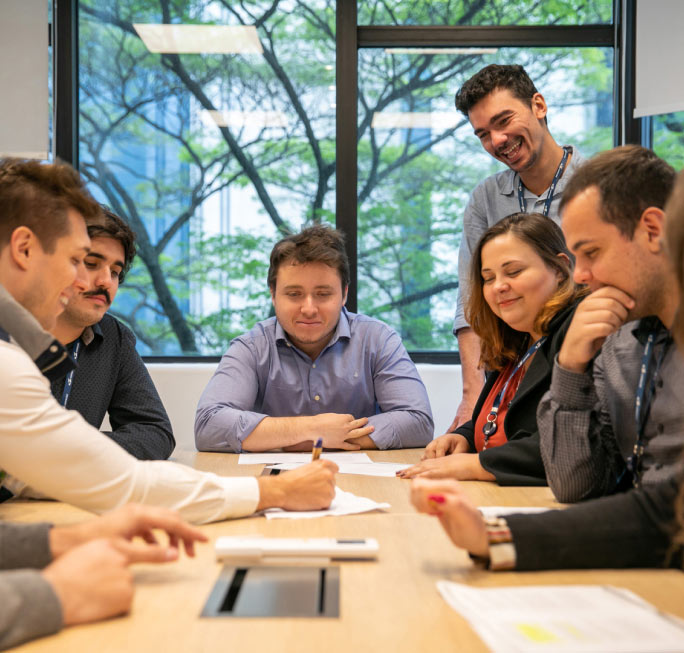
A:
x,y
521,302
643,527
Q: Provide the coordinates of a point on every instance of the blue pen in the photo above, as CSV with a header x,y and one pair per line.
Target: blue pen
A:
x,y
316,452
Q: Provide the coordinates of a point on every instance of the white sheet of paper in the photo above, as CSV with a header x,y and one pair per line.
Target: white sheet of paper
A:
x,y
267,458
365,469
577,618
344,503
501,511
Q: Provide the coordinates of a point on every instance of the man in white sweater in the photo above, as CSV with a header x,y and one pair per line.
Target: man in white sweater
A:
x,y
43,242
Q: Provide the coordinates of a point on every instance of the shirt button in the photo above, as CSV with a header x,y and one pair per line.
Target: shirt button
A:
x,y
317,397
314,366
53,349
288,344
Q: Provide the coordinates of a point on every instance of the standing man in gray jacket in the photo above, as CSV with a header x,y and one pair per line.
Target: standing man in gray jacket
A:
x,y
508,115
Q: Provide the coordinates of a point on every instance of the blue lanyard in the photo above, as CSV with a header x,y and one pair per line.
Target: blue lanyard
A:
x,y
70,377
490,426
641,407
552,187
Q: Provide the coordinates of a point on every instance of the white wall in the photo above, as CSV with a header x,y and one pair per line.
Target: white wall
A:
x,y
181,384
24,111
659,57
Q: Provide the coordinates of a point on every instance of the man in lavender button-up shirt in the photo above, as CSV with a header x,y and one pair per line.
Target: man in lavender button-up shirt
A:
x,y
315,370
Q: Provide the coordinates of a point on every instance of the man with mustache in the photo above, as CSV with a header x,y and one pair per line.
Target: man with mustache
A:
x,y
110,377
508,115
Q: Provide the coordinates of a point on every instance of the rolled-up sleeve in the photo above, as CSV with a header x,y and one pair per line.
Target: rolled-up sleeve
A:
x,y
224,419
405,419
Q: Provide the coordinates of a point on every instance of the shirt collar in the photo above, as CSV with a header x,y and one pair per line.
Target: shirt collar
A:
x,y
342,330
508,181
647,325
90,332
49,356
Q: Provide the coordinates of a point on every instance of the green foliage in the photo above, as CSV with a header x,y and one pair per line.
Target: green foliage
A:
x,y
668,138
209,201
485,12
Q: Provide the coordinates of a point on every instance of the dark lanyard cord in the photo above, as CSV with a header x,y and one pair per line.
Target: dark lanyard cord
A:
x,y
552,187
76,348
641,407
490,426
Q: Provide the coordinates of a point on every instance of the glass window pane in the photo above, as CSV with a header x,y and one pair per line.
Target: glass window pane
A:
x,y
668,138
212,135
419,161
481,12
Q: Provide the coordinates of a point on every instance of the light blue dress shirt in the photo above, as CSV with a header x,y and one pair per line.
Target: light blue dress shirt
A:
x,y
364,371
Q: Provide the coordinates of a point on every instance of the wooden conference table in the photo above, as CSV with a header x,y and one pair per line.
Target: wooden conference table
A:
x,y
388,605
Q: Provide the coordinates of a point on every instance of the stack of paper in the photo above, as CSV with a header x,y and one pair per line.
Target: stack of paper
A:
x,y
269,458
565,618
350,462
344,503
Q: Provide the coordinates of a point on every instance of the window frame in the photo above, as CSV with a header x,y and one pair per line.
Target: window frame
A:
x,y
350,37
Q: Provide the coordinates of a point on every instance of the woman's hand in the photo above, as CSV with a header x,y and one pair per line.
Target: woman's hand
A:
x,y
461,520
460,466
446,444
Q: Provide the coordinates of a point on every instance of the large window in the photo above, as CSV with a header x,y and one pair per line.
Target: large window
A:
x,y
419,160
210,125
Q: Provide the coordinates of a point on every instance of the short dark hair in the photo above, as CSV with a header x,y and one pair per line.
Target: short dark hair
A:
x,y
317,244
115,227
38,196
493,77
629,179
499,343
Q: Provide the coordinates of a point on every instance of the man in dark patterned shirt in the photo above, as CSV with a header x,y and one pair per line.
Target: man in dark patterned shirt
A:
x,y
110,377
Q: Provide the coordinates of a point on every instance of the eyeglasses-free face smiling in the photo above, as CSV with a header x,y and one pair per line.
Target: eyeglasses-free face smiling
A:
x,y
55,277
509,129
308,299
516,282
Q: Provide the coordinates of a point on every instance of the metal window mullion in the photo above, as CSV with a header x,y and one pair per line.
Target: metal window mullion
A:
x,y
501,36
346,136
65,80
